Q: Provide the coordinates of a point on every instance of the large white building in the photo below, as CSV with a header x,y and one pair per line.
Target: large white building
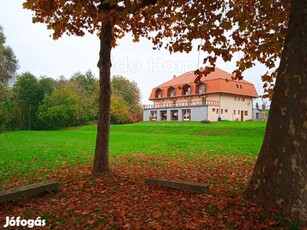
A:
x,y
191,98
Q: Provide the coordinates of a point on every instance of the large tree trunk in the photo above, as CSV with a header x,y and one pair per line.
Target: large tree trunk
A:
x,y
101,159
280,174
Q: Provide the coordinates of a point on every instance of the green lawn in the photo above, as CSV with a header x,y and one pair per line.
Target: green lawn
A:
x,y
24,151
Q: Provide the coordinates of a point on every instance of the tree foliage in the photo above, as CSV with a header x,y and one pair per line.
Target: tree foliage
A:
x,y
65,106
45,103
85,80
245,31
5,107
8,61
129,92
8,68
120,113
26,91
46,86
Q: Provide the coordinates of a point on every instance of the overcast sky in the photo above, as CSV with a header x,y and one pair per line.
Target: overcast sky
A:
x,y
40,55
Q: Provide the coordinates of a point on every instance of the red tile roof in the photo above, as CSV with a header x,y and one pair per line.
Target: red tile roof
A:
x,y
218,81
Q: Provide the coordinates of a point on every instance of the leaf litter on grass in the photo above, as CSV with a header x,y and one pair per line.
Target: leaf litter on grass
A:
x,y
120,200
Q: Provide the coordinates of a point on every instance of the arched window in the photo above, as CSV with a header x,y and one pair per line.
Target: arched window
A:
x,y
171,91
158,93
201,88
186,89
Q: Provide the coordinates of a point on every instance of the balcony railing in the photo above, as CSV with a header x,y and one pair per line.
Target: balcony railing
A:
x,y
182,104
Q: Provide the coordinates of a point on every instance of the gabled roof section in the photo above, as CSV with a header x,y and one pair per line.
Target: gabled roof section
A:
x,y
218,81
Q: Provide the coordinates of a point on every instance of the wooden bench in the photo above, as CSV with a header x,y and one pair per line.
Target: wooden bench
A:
x,y
28,191
182,185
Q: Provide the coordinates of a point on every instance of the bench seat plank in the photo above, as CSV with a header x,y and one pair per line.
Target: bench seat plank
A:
x,y
182,185
27,191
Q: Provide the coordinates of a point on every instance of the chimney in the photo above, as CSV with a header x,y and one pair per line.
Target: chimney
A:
x,y
174,76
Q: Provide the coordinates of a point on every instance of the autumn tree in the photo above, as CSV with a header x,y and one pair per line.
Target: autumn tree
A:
x,y
120,113
280,174
265,32
111,19
125,100
129,92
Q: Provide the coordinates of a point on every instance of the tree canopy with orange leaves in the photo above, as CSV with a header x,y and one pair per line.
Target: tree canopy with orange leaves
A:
x,y
263,31
255,29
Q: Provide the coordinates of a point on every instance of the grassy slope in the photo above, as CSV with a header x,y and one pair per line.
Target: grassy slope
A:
x,y
233,138
24,151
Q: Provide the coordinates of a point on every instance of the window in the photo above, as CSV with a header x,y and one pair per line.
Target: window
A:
x,y
158,93
163,115
217,111
201,88
234,112
186,90
221,111
246,113
243,99
186,114
226,110
171,92
174,115
213,109
235,98
239,112
153,115
237,86
240,86
204,100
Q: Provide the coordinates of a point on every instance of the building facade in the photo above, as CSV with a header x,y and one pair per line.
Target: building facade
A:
x,y
189,97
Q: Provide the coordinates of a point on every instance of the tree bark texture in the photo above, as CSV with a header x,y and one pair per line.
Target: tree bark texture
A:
x,y
101,159
279,177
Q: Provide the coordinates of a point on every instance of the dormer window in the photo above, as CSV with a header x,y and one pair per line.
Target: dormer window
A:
x,y
201,88
158,93
171,92
186,90
239,86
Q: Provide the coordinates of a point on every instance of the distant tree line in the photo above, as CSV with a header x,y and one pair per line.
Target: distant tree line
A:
x,y
29,103
45,103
